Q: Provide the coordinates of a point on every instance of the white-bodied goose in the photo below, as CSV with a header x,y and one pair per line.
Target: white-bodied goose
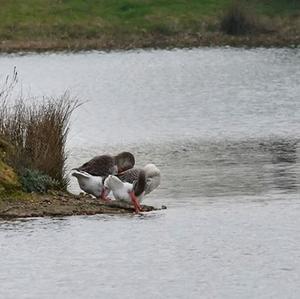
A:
x,y
152,174
91,184
92,174
133,192
134,183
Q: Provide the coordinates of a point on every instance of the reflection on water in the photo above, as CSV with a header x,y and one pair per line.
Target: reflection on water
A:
x,y
282,150
284,156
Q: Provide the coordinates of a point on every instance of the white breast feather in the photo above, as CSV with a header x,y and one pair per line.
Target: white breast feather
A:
x,y
89,183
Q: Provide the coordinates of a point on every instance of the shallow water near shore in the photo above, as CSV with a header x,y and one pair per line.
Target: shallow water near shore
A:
x,y
223,125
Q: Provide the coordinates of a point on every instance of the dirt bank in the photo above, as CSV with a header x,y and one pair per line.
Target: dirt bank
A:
x,y
61,204
180,40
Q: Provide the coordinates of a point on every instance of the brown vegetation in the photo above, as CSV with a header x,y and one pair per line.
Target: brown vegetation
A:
x,y
36,131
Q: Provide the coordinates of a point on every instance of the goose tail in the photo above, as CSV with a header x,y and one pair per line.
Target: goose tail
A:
x,y
77,173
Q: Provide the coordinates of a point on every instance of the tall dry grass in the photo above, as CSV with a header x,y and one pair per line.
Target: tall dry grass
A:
x,y
37,130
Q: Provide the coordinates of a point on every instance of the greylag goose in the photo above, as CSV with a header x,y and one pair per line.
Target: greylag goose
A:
x,y
92,174
133,192
105,165
134,183
91,184
152,174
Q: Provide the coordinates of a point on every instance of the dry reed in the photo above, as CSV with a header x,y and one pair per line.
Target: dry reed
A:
x,y
37,131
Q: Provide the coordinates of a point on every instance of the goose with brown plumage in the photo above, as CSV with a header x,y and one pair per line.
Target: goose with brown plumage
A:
x,y
105,165
152,174
133,184
133,192
91,175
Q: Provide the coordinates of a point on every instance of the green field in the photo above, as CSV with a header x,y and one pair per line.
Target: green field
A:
x,y
40,20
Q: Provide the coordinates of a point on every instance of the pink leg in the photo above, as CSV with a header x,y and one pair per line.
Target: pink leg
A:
x,y
103,196
106,199
135,202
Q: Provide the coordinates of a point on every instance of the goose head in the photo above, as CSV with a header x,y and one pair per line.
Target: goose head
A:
x,y
124,161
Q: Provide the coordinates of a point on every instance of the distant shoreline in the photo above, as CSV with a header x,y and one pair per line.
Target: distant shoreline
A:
x,y
40,26
182,40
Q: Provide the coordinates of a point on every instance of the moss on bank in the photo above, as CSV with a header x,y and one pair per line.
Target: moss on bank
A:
x,y
9,182
8,179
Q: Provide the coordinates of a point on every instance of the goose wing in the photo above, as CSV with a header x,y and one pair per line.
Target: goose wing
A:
x,y
129,175
99,166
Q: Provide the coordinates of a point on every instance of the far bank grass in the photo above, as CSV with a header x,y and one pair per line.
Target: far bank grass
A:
x,y
113,23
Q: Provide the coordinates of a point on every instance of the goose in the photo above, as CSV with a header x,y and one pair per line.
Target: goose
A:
x,y
152,174
91,184
133,184
106,164
133,192
91,175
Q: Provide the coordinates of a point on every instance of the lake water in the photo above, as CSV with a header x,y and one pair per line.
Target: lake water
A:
x,y
223,125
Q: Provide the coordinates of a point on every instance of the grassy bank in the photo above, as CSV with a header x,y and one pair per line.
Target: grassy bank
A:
x,y
108,24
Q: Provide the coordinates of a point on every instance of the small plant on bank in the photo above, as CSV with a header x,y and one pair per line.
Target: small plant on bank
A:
x,y
36,181
239,19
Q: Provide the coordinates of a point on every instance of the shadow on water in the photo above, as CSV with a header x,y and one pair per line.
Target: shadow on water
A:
x,y
284,161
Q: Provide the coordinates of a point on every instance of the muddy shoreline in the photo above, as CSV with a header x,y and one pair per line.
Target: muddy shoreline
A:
x,y
62,204
154,41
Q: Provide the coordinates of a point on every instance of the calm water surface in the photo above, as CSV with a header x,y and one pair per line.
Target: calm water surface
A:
x,y
223,125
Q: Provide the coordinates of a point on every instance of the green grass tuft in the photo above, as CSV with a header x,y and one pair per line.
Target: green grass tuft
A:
x,y
36,181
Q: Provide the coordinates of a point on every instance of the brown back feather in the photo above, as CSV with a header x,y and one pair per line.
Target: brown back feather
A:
x,y
99,166
130,175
